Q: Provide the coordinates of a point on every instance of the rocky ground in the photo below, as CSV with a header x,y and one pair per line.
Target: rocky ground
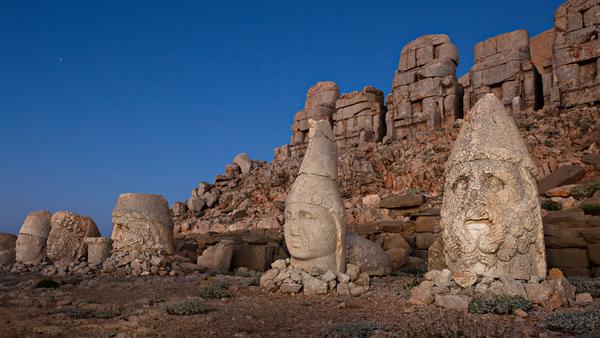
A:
x,y
233,305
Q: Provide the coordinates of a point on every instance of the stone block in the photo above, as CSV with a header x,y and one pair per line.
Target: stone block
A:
x,y
409,200
423,240
253,257
594,253
591,16
408,60
7,248
447,51
217,257
404,78
425,55
567,258
66,241
427,224
438,68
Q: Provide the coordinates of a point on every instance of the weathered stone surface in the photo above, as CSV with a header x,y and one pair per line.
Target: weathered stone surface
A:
x,y
7,248
464,279
244,162
422,294
217,257
409,200
314,213
369,256
488,168
593,159
98,249
397,257
562,191
31,241
564,175
453,302
583,298
195,204
66,241
538,293
142,222
423,240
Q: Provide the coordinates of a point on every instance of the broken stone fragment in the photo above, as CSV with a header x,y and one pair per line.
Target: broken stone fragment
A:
x,y
66,241
217,257
31,241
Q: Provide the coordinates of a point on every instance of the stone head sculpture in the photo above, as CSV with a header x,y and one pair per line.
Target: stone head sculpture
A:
x,y
490,216
314,213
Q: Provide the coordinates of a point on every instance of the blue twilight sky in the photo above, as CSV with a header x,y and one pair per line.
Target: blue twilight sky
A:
x,y
103,97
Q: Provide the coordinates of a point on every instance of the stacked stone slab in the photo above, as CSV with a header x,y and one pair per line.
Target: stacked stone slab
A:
x,y
503,67
319,105
576,52
66,241
425,89
31,242
7,248
359,118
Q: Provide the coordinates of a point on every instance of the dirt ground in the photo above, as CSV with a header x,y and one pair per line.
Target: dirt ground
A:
x,y
144,307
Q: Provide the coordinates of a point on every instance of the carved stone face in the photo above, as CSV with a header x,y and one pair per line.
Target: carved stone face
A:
x,y
310,231
488,217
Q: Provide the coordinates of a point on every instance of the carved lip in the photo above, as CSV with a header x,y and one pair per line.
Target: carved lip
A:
x,y
478,224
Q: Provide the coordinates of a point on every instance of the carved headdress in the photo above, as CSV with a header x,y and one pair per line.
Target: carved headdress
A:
x,y
316,184
490,133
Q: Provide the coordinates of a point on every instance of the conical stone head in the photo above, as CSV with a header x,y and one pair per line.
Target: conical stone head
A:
x,y
491,217
314,214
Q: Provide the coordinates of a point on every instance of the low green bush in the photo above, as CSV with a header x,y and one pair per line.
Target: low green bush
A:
x,y
575,323
500,305
186,308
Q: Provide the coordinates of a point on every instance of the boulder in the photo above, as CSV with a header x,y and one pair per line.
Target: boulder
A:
x,y
7,248
592,159
369,256
409,200
396,241
371,201
427,224
66,241
217,257
313,285
244,162
453,302
397,257
195,204
564,175
31,241
142,222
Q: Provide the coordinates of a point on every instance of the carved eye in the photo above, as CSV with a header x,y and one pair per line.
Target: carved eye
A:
x,y
493,183
460,185
305,215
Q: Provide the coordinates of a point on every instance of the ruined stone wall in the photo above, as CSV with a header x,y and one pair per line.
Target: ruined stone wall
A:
x,y
359,118
541,56
576,53
319,105
503,67
425,89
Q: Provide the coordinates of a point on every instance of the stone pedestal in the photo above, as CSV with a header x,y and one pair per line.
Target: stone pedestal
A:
x,y
98,249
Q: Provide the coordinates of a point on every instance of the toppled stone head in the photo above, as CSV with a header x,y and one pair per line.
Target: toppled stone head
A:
x,y
314,213
31,243
142,222
490,215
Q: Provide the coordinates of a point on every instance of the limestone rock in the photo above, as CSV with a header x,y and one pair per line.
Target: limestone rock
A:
x,y
371,201
409,200
422,294
314,213
31,241
7,248
195,204
244,162
217,257
313,285
369,256
485,230
583,299
564,175
397,257
142,222
66,241
98,249
453,302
